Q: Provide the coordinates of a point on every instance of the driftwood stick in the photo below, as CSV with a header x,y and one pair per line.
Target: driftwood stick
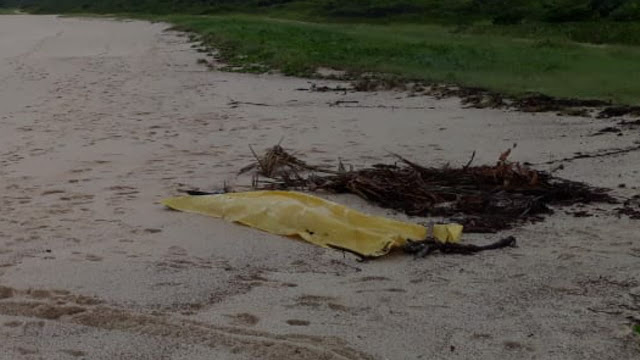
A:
x,y
426,247
473,156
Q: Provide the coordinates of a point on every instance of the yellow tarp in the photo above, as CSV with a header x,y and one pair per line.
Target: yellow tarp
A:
x,y
315,220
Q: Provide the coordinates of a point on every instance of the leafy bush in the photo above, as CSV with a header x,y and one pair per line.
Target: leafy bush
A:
x,y
569,10
370,8
510,16
629,11
501,12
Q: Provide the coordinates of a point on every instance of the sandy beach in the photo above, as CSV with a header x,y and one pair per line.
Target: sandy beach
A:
x,y
101,119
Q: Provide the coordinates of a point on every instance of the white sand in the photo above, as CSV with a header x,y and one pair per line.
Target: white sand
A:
x,y
100,119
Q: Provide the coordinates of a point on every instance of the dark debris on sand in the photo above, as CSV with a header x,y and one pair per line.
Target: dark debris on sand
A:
x,y
485,199
630,208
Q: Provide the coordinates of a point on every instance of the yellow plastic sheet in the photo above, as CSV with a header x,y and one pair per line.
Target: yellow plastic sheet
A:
x,y
447,232
313,219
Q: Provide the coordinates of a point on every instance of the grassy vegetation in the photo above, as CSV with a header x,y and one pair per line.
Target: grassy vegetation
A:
x,y
600,32
498,11
563,48
432,53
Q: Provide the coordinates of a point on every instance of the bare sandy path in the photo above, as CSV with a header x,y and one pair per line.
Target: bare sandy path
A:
x,y
100,119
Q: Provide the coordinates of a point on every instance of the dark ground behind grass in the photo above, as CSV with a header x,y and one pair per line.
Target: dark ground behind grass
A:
x,y
568,48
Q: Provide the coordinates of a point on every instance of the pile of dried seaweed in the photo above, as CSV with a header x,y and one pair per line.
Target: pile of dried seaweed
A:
x,y
276,162
482,198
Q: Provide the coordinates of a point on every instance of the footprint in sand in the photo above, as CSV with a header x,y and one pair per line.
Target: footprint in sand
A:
x,y
74,353
92,257
295,322
177,251
243,319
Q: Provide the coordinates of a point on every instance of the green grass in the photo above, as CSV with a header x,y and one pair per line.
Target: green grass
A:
x,y
6,11
636,328
552,65
602,32
499,11
568,48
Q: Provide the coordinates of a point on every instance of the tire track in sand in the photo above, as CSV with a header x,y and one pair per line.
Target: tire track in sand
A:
x,y
63,306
